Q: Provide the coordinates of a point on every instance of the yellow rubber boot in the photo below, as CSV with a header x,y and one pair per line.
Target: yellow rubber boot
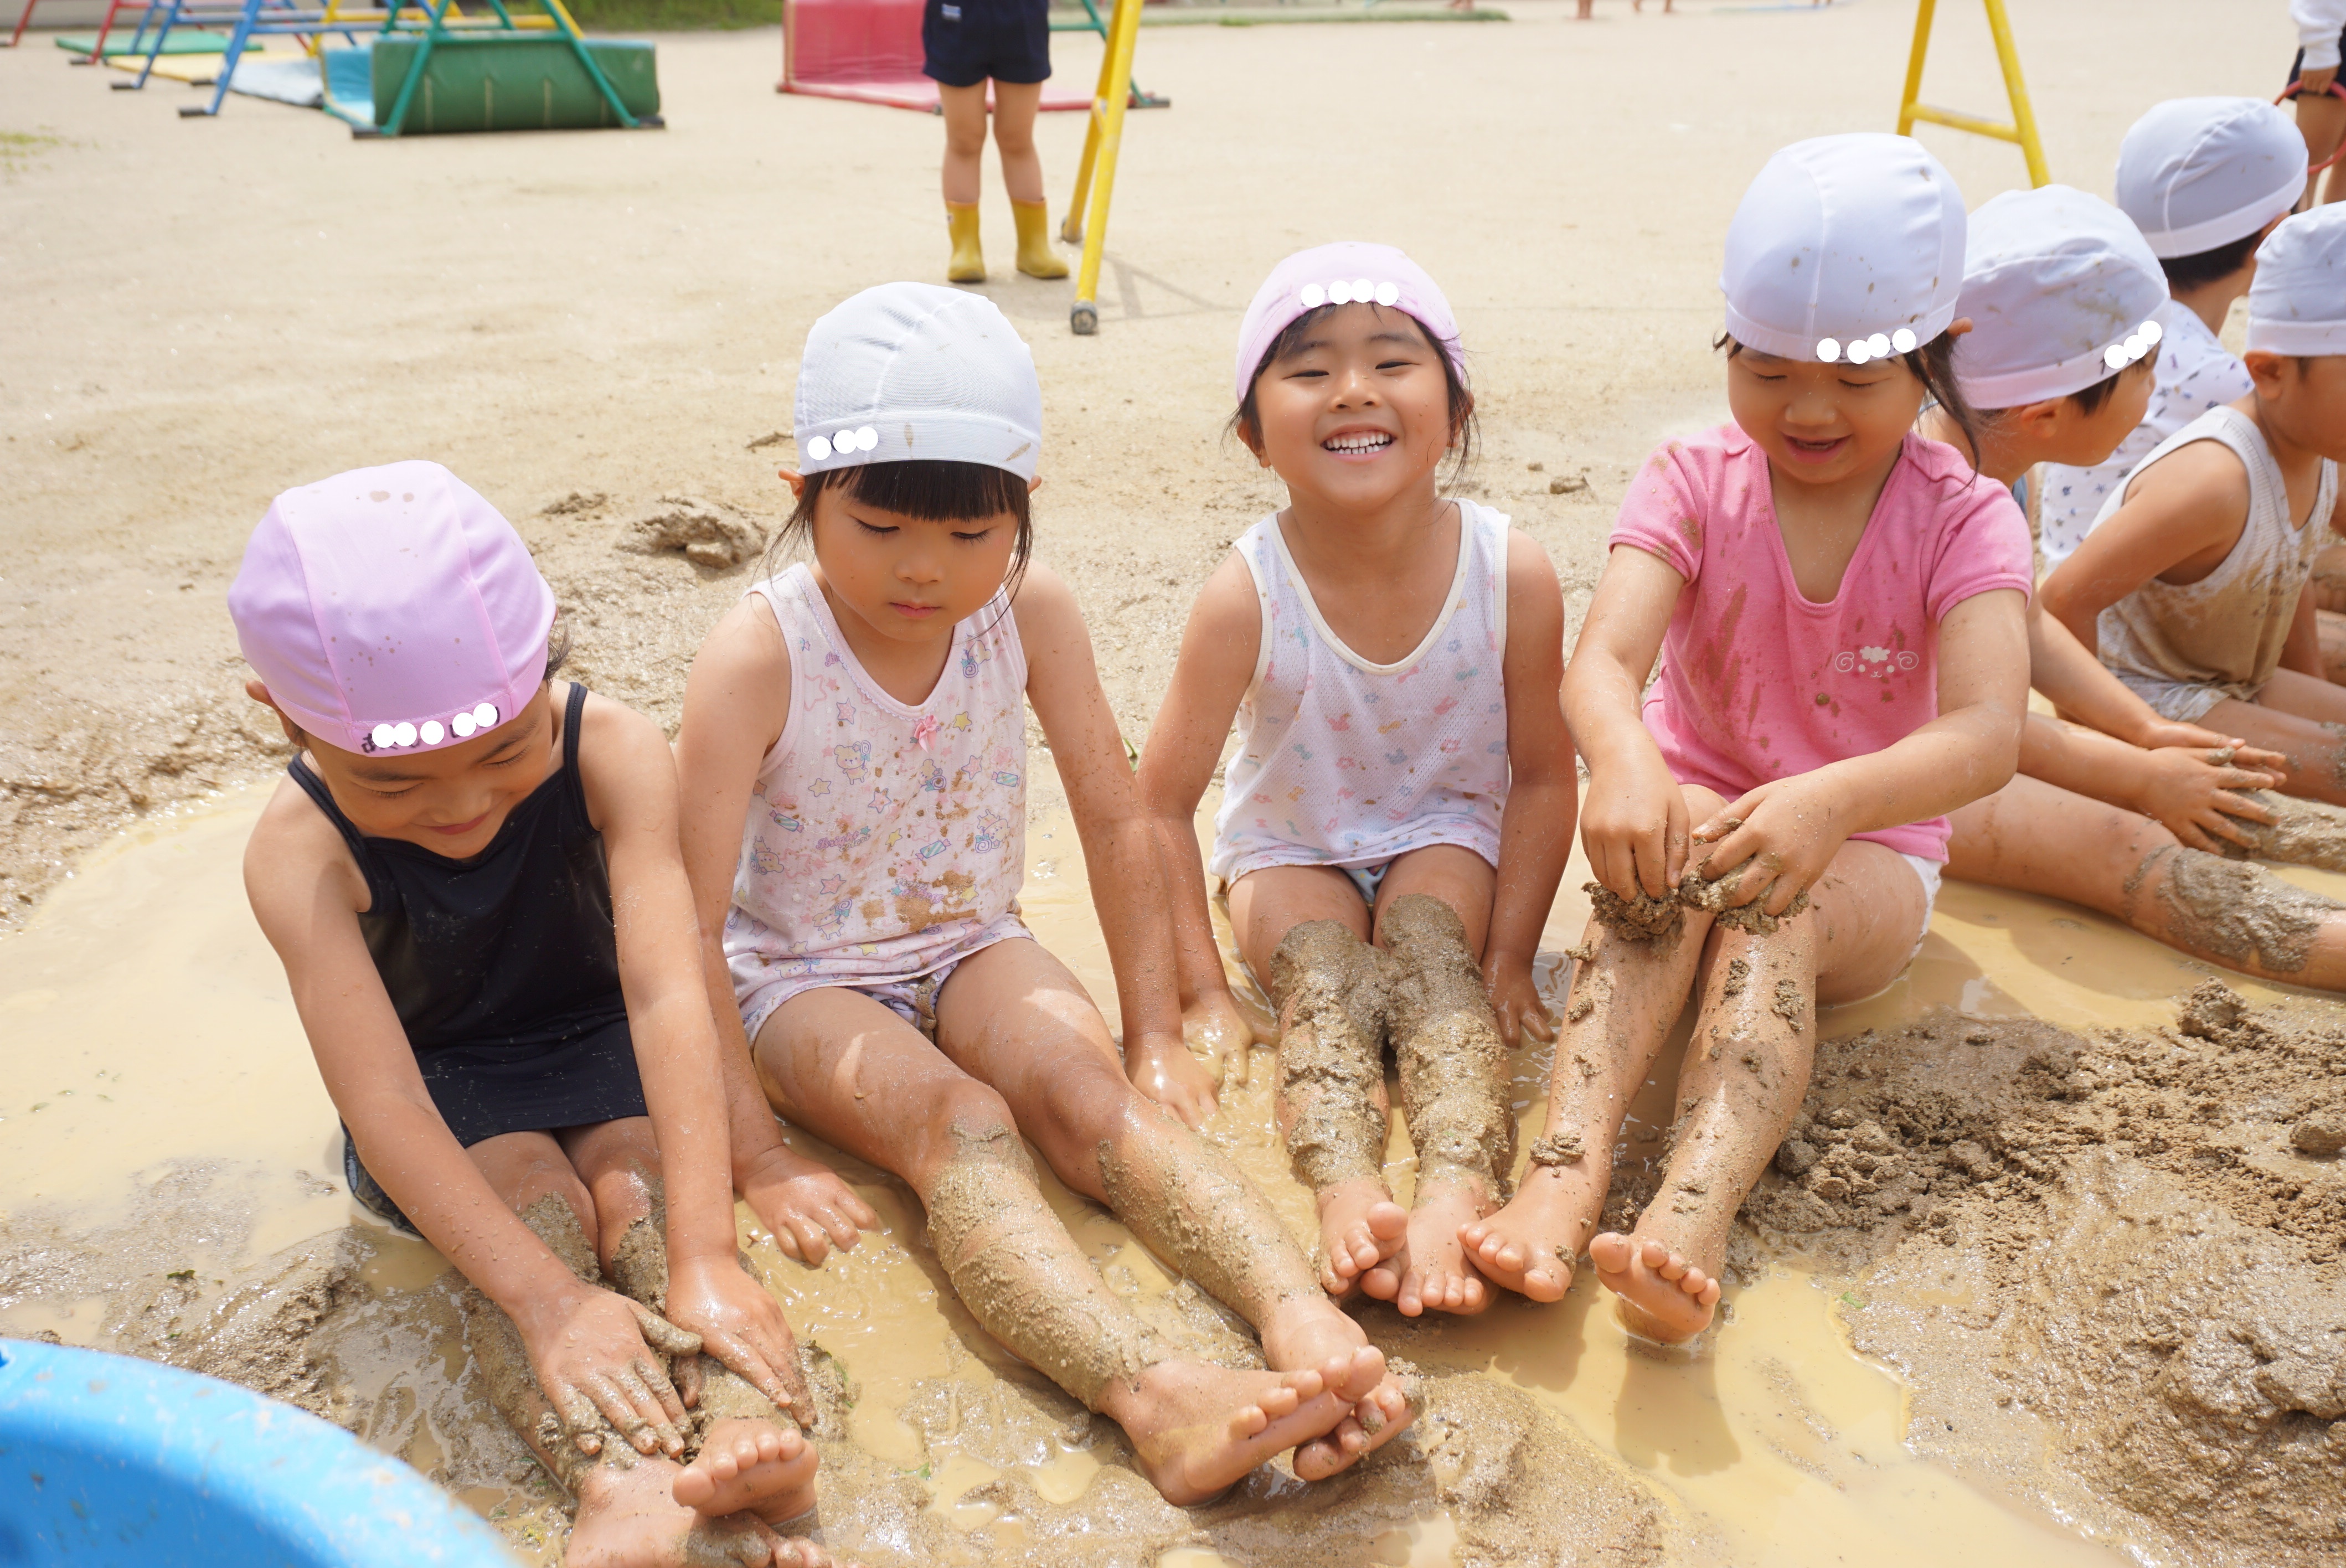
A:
x,y
968,263
1036,257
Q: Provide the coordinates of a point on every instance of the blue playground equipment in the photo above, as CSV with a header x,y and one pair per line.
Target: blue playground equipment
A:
x,y
113,1462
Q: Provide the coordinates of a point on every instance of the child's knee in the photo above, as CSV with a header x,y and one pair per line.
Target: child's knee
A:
x,y
967,1112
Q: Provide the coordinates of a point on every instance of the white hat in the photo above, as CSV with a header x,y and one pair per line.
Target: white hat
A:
x,y
2298,303
915,373
1846,245
2060,288
2197,173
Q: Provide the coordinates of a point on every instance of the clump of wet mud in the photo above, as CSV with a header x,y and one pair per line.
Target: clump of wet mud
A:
x,y
2301,833
1643,918
2110,1249
2241,913
1331,990
1446,1045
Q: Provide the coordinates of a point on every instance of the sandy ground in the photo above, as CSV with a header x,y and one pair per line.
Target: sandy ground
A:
x,y
200,314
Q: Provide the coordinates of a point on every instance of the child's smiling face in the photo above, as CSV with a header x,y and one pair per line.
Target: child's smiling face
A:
x,y
1356,411
909,579
1822,423
450,801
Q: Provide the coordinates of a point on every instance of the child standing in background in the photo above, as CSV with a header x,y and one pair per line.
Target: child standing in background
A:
x,y
1839,608
1403,776
853,758
2204,179
971,45
472,876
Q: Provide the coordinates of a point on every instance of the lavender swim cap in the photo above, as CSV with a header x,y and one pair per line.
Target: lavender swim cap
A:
x,y
1347,272
392,609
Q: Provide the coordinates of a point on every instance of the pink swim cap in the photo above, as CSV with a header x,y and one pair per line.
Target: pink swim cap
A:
x,y
392,609
1347,272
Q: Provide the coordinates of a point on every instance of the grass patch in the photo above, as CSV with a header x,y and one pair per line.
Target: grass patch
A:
x,y
18,148
674,15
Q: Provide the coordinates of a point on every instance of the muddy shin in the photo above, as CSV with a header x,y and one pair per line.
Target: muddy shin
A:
x,y
1453,1080
1329,985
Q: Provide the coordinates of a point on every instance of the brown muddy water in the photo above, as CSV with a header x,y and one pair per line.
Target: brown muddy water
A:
x,y
170,1186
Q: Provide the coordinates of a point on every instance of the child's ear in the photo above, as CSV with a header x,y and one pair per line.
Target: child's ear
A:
x,y
2270,371
794,479
260,694
1033,484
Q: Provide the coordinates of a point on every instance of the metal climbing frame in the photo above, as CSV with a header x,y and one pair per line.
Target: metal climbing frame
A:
x,y
1095,173
2023,128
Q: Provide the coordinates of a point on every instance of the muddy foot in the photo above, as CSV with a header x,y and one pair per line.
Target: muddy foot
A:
x,y
1197,1430
1359,1228
1432,1273
753,1466
1383,1415
1530,1245
628,1519
1313,1333
1663,1296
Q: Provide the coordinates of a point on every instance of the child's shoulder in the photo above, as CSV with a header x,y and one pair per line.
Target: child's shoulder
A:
x,y
294,847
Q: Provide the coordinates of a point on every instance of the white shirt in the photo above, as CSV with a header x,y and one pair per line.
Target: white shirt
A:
x,y
2195,372
2318,23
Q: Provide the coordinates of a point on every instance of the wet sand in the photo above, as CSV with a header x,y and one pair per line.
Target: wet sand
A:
x,y
183,1214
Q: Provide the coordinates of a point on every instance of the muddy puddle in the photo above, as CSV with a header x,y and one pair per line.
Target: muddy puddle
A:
x,y
169,1186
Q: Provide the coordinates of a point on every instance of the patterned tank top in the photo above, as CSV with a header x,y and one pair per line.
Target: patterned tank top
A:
x,y
1343,763
884,840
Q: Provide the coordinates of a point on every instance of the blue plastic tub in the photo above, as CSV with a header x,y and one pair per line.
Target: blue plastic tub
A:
x,y
107,1460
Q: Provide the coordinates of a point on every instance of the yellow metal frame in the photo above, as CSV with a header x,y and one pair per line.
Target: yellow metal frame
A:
x,y
1095,173
2023,128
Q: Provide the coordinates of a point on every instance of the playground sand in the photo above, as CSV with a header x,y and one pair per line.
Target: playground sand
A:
x,y
2098,1260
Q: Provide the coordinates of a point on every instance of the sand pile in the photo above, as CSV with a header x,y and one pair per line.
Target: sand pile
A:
x,y
2111,1250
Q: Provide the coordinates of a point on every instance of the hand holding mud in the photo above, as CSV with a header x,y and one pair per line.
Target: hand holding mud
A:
x,y
1164,1068
601,1359
1771,846
2198,795
738,1324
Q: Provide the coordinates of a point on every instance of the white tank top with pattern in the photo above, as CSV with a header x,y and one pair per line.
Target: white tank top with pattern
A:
x,y
1343,763
885,840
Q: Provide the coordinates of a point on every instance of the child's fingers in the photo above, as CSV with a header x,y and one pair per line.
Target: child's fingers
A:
x,y
689,1381
1674,844
755,1365
2192,836
579,1417
662,1335
2231,801
809,1242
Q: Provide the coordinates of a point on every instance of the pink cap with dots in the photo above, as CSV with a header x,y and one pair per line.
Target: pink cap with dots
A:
x,y
391,610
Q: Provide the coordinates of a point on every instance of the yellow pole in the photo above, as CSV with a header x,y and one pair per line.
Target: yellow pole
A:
x,y
1107,125
2023,118
1071,228
1914,93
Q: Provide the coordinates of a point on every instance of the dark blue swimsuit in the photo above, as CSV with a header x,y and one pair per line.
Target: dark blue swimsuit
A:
x,y
504,968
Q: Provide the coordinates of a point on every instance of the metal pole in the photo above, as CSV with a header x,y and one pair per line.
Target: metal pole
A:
x,y
1107,124
2023,118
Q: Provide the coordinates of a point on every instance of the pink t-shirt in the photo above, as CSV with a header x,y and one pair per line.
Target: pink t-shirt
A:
x,y
1759,683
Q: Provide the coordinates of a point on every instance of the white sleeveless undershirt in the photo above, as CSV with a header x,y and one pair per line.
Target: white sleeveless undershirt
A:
x,y
1343,763
884,840
2223,634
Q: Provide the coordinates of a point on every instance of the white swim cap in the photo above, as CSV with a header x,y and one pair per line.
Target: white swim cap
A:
x,y
2060,288
2298,303
2197,173
915,373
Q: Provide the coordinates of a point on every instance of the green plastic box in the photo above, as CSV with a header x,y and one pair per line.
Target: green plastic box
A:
x,y
507,83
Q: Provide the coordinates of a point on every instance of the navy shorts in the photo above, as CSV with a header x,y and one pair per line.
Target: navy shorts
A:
x,y
2296,67
968,41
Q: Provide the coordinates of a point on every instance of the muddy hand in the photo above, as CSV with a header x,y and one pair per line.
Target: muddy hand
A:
x,y
2193,793
1776,840
808,1207
1634,825
1164,1068
1216,1029
1515,998
588,1347
737,1322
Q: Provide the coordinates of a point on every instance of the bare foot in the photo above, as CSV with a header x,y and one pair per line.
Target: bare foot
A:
x,y
628,1519
1359,1228
1197,1430
1313,1333
1663,1296
1382,1416
750,1466
1433,1271
1530,1245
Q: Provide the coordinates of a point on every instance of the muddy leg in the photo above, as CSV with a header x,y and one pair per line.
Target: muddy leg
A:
x,y
2301,833
1329,986
1195,1429
1454,1088
1629,986
626,1516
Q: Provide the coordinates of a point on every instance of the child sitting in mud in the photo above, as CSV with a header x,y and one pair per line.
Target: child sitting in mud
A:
x,y
1839,608
1403,777
2194,586
472,875
2205,180
854,757
2133,815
